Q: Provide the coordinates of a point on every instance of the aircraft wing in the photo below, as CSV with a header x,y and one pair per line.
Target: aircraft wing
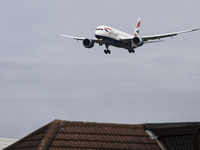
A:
x,y
160,36
78,38
72,37
156,37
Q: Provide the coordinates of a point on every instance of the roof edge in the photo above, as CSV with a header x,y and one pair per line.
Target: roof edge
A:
x,y
29,135
152,126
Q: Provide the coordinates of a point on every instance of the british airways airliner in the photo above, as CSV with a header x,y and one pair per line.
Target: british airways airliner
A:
x,y
107,36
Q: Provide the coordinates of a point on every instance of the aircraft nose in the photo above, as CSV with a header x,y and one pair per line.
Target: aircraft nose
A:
x,y
97,32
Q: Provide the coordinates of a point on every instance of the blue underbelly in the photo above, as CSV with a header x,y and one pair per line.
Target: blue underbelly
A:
x,y
110,41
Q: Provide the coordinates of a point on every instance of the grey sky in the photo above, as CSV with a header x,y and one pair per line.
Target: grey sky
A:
x,y
45,77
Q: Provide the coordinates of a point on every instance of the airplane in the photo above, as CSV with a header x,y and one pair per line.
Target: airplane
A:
x,y
108,36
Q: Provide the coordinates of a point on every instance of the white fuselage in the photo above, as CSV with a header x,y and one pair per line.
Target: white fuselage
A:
x,y
111,36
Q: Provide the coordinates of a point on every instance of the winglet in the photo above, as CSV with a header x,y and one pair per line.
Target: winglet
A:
x,y
196,29
137,27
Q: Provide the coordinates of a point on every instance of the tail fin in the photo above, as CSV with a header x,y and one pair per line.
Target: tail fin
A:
x,y
137,27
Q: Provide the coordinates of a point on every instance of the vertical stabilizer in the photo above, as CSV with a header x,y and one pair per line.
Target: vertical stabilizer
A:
x,y
137,27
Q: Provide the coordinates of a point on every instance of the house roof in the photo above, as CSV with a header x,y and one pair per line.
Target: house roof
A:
x,y
62,135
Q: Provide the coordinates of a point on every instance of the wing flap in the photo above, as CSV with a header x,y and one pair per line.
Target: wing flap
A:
x,y
147,42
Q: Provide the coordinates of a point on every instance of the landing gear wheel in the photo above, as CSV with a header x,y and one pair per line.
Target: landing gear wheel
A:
x,y
131,51
107,51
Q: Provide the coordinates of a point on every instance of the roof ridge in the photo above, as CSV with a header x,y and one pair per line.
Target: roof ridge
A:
x,y
64,123
50,135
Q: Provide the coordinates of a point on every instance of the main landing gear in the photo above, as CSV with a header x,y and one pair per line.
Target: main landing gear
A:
x,y
131,51
107,51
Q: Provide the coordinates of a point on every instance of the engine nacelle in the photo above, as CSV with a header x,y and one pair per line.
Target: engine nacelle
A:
x,y
137,41
88,43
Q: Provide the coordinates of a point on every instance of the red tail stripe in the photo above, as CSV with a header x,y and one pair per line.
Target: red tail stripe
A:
x,y
138,25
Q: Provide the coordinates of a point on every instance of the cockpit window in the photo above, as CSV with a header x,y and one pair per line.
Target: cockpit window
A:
x,y
99,29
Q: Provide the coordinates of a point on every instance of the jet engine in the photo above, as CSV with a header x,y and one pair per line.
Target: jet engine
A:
x,y
88,43
137,41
